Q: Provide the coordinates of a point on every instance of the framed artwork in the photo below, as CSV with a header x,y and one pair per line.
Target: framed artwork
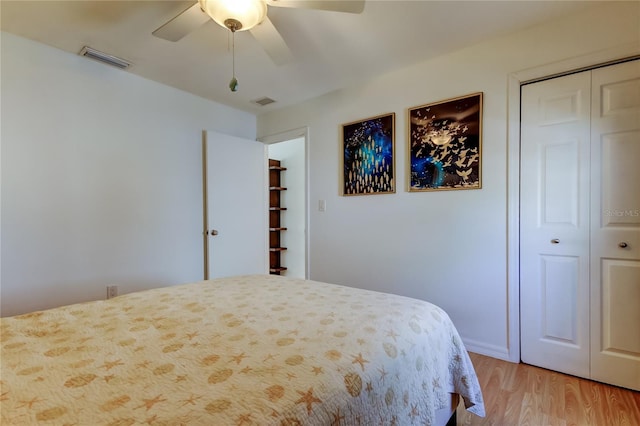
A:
x,y
445,144
368,151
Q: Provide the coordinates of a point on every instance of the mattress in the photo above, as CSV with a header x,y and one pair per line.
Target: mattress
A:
x,y
247,350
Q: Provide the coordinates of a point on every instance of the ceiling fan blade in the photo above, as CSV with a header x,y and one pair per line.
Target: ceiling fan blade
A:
x,y
183,24
348,6
272,42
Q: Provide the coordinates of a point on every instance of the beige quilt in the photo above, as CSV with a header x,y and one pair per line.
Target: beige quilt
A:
x,y
249,350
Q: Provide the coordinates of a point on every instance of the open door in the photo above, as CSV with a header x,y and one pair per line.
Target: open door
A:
x,y
235,205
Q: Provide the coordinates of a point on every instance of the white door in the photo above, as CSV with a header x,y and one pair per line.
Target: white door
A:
x,y
235,205
554,224
580,224
615,229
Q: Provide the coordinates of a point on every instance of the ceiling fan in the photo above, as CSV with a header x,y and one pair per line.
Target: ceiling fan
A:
x,y
241,15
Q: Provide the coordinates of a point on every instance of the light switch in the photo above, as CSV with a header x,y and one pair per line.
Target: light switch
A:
x,y
322,205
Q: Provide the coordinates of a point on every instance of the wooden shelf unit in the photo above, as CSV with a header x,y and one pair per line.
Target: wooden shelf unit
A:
x,y
275,218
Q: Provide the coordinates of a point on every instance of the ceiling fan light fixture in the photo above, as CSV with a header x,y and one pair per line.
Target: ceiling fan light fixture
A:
x,y
236,15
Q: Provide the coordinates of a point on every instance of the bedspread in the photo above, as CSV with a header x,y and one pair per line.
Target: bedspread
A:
x,y
235,351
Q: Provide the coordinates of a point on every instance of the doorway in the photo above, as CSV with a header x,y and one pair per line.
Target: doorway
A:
x,y
291,153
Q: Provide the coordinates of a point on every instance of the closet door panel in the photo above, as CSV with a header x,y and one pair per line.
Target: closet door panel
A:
x,y
554,224
620,292
620,179
615,225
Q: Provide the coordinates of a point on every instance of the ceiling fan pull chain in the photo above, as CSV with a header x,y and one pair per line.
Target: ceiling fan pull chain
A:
x,y
233,84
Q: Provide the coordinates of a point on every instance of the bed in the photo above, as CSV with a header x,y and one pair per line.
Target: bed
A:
x,y
247,350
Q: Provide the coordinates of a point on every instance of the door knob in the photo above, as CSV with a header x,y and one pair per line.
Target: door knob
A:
x,y
623,245
555,241
214,232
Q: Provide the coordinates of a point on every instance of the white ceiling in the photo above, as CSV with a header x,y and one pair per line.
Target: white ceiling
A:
x,y
331,50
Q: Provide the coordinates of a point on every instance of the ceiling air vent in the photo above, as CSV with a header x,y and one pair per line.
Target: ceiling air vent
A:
x,y
263,101
104,57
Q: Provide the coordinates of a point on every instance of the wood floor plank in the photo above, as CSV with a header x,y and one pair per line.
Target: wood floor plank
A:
x,y
520,394
529,414
553,398
597,405
618,403
576,405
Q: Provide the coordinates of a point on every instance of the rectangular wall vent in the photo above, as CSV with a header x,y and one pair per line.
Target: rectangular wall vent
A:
x,y
104,57
264,101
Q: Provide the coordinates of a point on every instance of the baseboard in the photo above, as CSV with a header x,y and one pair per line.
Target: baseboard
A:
x,y
482,348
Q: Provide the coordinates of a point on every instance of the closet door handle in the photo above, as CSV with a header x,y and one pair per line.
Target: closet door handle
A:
x,y
623,245
555,241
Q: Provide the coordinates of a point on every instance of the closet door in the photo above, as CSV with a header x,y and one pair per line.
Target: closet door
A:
x,y
580,224
615,225
554,224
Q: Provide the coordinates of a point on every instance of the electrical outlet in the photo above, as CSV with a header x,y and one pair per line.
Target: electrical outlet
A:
x,y
112,291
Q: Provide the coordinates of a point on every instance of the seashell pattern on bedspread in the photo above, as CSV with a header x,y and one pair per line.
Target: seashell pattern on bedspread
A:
x,y
247,350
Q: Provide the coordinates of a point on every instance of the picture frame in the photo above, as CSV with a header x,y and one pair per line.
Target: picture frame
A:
x,y
445,144
368,156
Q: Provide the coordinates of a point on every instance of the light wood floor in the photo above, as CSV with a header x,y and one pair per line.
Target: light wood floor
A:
x,y
520,394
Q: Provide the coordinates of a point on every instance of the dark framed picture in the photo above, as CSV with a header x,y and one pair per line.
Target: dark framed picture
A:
x,y
368,153
445,144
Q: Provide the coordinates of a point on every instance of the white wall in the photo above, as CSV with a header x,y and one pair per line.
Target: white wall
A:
x,y
101,178
292,155
446,247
